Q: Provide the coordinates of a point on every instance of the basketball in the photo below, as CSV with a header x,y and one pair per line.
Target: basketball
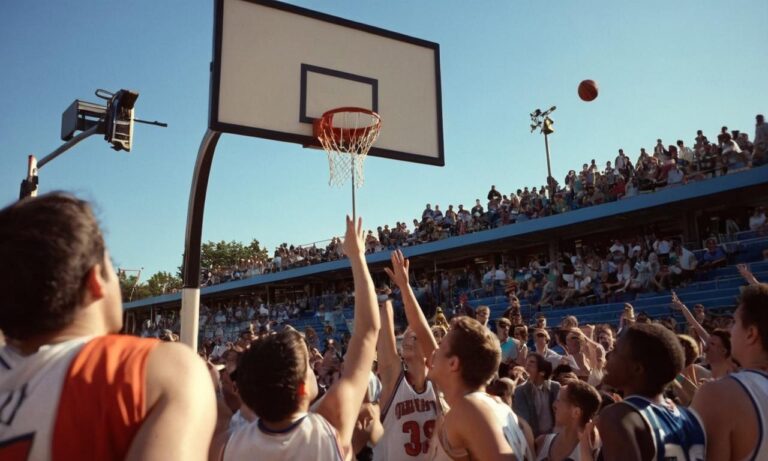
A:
x,y
588,90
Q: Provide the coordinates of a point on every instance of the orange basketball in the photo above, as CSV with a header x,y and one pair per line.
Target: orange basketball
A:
x,y
588,90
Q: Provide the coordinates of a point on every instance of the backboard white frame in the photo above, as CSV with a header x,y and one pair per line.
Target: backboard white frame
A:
x,y
363,88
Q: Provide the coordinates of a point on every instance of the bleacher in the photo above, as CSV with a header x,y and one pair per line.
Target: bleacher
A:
x,y
716,291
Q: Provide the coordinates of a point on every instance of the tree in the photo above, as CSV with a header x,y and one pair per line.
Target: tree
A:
x,y
130,287
162,283
225,255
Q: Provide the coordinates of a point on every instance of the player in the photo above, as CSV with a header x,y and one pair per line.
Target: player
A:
x,y
735,408
70,388
477,426
409,407
645,425
275,380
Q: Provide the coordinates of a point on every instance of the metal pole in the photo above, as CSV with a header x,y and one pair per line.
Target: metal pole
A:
x,y
354,211
549,169
190,294
68,145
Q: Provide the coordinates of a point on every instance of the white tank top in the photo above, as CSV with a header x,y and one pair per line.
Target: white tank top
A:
x,y
310,437
755,382
409,421
543,454
504,416
30,387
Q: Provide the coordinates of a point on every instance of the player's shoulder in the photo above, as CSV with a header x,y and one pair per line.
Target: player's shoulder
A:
x,y
619,414
723,394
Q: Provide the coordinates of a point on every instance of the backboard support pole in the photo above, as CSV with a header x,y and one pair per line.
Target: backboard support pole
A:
x,y
190,295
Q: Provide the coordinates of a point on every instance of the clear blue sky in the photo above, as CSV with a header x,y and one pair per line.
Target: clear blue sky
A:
x,y
665,69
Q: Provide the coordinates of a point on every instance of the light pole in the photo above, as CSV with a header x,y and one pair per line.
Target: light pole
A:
x,y
114,121
540,120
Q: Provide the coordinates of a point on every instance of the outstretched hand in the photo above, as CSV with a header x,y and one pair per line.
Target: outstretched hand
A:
x,y
354,243
399,272
676,303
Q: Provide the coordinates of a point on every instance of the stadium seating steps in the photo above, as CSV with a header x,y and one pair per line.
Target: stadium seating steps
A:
x,y
717,292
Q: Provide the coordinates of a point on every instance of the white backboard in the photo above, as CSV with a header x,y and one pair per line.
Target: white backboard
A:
x,y
277,67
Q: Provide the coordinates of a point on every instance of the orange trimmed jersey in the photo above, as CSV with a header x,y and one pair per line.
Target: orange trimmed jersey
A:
x,y
80,399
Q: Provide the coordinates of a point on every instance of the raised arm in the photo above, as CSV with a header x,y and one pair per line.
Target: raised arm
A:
x,y
416,319
747,274
678,305
341,405
386,348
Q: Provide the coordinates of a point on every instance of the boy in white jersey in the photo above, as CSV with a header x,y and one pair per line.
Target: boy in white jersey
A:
x,y
276,381
735,408
646,425
409,404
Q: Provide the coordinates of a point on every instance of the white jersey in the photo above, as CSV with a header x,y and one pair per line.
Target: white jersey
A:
x,y
755,383
549,439
506,419
310,437
409,421
30,387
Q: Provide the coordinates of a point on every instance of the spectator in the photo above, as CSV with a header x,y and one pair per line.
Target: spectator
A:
x,y
533,400
509,345
713,258
493,194
757,220
760,149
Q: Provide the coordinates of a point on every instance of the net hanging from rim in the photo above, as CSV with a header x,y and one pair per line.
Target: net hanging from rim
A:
x,y
347,134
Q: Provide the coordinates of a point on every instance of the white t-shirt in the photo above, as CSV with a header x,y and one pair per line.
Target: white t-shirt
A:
x,y
756,221
310,437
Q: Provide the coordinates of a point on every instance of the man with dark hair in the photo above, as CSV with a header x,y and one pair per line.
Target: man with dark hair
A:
x,y
70,387
735,409
533,400
576,405
275,380
645,425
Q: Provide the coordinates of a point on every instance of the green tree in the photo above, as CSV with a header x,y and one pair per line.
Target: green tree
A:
x,y
225,254
162,283
131,287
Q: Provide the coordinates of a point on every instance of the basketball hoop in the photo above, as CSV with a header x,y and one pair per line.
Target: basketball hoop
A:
x,y
347,134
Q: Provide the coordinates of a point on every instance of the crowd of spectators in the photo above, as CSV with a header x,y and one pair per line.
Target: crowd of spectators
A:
x,y
668,165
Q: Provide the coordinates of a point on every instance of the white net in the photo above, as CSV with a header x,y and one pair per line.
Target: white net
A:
x,y
347,136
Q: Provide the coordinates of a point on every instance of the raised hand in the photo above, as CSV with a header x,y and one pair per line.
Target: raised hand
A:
x,y
354,241
399,272
676,303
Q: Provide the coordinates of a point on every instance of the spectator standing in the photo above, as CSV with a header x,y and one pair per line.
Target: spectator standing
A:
x,y
533,400
760,149
493,194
